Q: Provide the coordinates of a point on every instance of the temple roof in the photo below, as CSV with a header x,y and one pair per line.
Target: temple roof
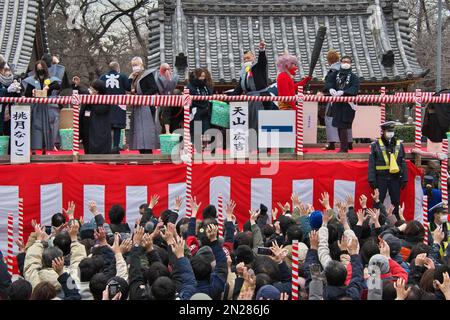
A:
x,y
19,20
215,34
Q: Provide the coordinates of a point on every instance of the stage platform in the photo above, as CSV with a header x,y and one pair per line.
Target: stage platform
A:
x,y
311,152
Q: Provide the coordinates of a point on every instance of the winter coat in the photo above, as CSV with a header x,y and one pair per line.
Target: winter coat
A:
x,y
95,128
200,109
144,121
116,84
35,273
343,114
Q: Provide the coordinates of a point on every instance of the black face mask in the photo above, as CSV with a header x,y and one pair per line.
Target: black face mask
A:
x,y
40,72
200,83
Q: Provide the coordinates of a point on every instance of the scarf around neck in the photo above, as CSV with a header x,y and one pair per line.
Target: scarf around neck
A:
x,y
6,80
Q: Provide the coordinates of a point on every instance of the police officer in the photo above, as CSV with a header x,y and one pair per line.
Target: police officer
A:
x,y
387,165
438,217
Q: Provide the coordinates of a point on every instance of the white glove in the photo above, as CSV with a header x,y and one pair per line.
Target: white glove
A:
x,y
340,93
14,87
11,88
333,92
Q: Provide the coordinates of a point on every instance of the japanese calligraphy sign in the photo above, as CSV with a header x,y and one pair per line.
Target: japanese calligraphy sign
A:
x,y
276,129
239,134
20,134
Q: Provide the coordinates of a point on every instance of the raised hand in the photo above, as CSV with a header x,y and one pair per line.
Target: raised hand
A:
x,y
178,202
274,213
20,245
253,216
70,212
376,195
229,209
400,288
361,218
343,243
284,208
352,246
116,247
178,247
195,206
58,265
153,201
438,235
40,232
126,246
325,200
314,240
138,235
295,200
350,201
73,230
100,236
375,216
278,252
444,286
211,232
363,201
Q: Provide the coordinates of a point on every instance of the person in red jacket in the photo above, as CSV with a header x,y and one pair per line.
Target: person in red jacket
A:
x,y
287,66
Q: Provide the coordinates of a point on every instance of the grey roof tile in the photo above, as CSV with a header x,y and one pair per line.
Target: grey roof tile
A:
x,y
216,33
17,31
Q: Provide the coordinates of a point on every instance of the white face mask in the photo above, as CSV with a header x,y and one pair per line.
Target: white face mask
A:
x,y
137,68
248,64
444,218
346,66
389,135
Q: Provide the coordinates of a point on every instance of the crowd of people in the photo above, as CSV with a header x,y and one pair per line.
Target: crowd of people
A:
x,y
367,254
101,125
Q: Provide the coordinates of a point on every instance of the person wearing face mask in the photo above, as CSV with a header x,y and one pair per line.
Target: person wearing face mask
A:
x,y
117,83
200,110
343,83
287,66
332,132
8,88
387,166
95,123
144,123
438,217
253,81
42,127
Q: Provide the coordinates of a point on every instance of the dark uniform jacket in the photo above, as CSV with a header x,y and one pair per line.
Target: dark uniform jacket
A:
x,y
376,159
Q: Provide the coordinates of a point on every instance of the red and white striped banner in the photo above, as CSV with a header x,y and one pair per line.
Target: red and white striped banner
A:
x,y
418,113
220,216
444,172
383,106
20,219
76,122
10,242
425,218
178,101
295,266
299,122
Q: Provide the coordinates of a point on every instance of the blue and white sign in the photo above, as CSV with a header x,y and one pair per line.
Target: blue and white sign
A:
x,y
276,129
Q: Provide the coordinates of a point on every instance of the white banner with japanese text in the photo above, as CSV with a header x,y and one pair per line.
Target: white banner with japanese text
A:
x,y
239,133
20,134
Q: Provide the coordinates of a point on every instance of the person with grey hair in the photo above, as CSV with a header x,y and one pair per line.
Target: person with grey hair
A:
x,y
117,83
144,123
